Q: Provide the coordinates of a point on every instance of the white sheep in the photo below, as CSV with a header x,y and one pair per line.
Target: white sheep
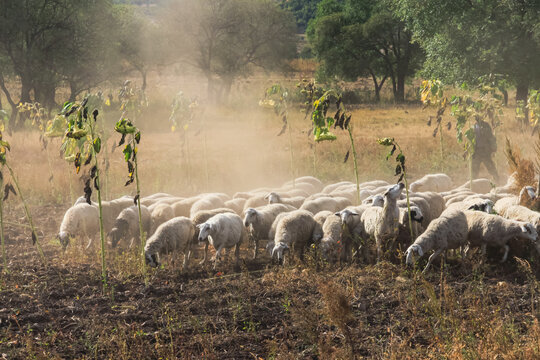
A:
x,y
207,202
183,207
79,220
325,203
432,182
295,230
480,186
275,198
331,245
160,214
404,234
382,224
126,225
494,230
173,235
259,221
449,231
237,205
331,187
255,202
223,231
477,204
525,196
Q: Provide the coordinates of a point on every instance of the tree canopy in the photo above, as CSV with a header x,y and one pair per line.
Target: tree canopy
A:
x,y
465,40
356,38
226,40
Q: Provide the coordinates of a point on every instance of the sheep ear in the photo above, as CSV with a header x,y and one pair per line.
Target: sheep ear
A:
x,y
525,229
199,226
338,213
267,196
354,213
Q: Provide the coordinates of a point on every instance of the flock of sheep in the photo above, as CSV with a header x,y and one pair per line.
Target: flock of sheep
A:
x,y
306,213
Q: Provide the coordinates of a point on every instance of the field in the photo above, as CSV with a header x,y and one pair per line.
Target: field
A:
x,y
256,311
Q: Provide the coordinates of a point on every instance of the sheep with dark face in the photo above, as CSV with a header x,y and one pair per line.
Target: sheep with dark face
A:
x,y
223,231
173,235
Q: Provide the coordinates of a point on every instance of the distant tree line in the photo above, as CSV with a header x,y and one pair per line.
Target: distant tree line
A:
x,y
46,45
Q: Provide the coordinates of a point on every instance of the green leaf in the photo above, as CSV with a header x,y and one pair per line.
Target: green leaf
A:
x,y
138,137
97,145
127,152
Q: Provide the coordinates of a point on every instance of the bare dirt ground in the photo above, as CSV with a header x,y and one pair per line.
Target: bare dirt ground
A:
x,y
258,311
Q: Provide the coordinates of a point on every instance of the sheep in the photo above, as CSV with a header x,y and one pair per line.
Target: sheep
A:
x,y
480,186
296,229
273,228
315,184
255,202
275,198
431,182
449,231
375,200
331,245
259,221
126,225
289,192
79,220
331,187
476,204
404,233
208,202
160,214
183,207
436,202
382,223
326,203
525,196
222,231
487,229
321,216
237,205
173,235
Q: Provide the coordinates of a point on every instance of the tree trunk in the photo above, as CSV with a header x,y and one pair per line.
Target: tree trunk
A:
x,y
226,88
399,96
378,86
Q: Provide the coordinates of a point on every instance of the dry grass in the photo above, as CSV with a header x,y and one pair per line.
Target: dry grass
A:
x,y
302,311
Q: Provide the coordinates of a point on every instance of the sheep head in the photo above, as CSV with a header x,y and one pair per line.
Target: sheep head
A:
x,y
410,253
63,238
346,216
152,260
250,217
528,232
279,250
205,230
394,192
273,198
416,214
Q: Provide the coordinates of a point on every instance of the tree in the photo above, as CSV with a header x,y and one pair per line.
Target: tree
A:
x,y
45,42
303,11
140,40
226,40
464,39
353,39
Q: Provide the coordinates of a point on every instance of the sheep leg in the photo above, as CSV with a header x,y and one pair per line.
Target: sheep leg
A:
x,y
256,249
379,249
205,254
506,250
484,252
217,257
237,253
89,243
431,258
